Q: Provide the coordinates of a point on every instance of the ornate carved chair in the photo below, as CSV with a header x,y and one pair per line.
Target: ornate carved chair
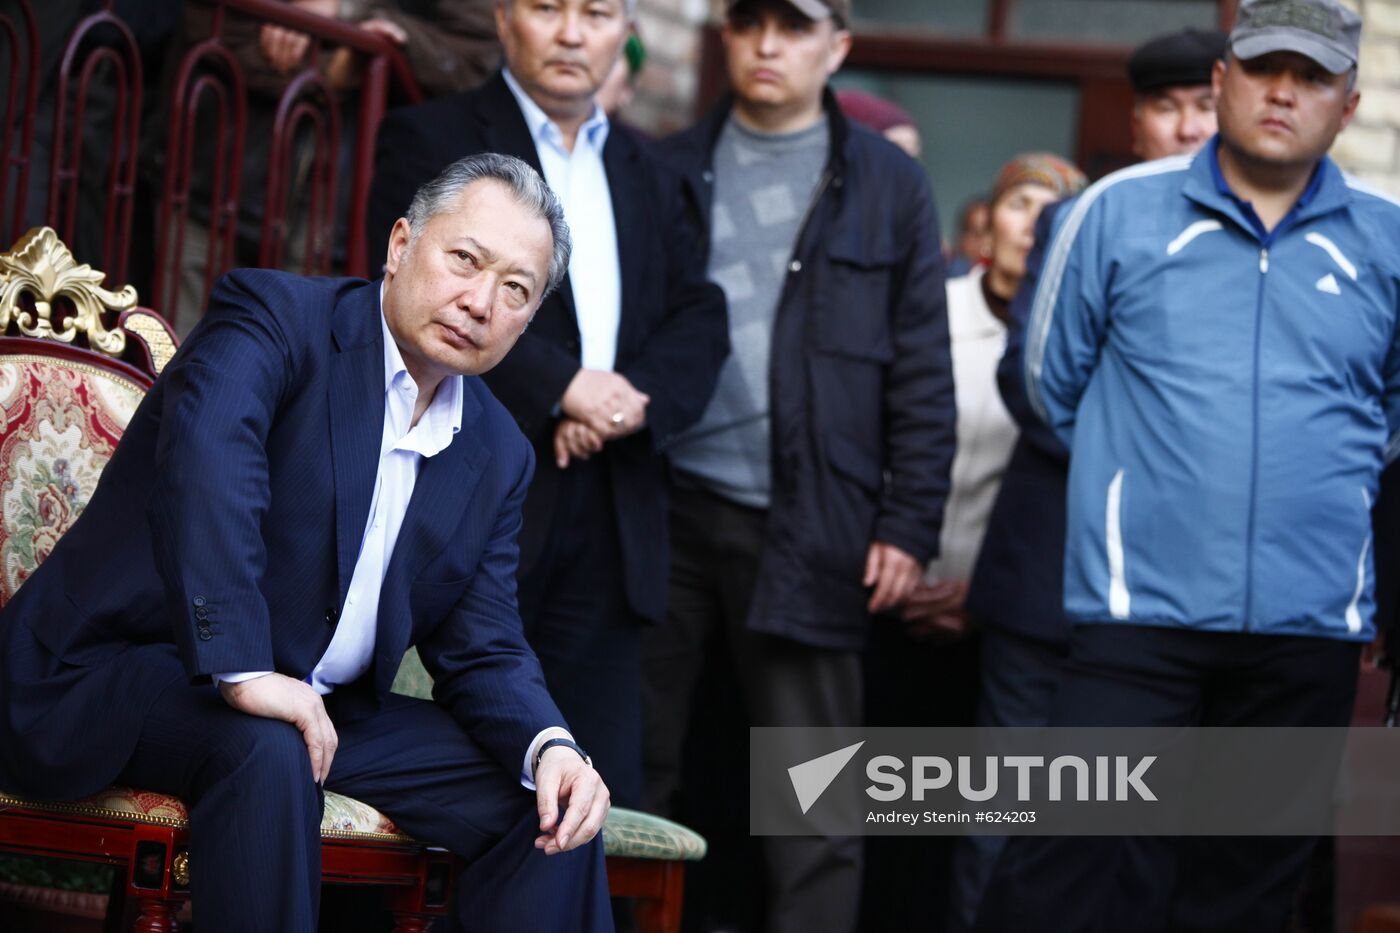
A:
x,y
75,361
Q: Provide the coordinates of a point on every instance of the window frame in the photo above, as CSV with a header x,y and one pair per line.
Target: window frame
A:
x,y
1103,140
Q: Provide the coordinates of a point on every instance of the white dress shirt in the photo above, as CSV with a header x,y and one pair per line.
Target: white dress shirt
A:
x,y
580,182
402,447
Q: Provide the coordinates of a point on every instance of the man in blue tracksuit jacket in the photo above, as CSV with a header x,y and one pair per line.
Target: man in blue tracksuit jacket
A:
x,y
1214,339
1015,595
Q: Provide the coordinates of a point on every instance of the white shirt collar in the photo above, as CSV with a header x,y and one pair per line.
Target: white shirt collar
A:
x,y
973,319
443,418
544,131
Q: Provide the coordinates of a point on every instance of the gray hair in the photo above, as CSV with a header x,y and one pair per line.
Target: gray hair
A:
x,y
525,184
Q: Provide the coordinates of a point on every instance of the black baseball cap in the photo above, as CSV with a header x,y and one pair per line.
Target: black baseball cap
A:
x,y
1177,59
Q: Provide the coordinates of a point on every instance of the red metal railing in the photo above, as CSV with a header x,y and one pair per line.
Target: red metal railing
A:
x,y
296,109
307,102
68,150
209,95
228,97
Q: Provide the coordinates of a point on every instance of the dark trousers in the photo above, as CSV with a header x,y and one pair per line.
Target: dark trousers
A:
x,y
811,883
1019,677
573,603
255,814
913,682
1126,675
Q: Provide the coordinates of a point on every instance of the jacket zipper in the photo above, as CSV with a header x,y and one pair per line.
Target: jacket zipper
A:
x,y
1254,446
822,184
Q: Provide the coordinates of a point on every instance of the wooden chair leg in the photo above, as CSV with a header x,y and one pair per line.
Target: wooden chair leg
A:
x,y
408,906
405,922
156,916
116,919
662,913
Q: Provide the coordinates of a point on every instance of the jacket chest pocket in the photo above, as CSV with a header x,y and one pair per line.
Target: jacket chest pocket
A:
x,y
852,302
431,602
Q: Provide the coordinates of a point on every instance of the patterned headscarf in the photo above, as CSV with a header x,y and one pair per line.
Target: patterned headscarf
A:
x,y
1039,168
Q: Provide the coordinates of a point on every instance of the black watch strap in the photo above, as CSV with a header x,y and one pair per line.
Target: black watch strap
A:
x,y
567,743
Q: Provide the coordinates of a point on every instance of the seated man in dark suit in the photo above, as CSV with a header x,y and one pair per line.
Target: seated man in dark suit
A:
x,y
318,481
618,363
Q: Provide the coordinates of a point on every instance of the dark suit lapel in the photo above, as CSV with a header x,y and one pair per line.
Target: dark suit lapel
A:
x,y
357,420
620,159
502,124
503,129
445,485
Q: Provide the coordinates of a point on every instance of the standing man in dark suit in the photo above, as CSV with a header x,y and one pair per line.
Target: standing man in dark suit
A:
x,y
318,481
618,362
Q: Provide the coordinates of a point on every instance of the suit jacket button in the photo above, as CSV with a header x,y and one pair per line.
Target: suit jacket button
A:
x,y
205,634
199,602
201,614
332,615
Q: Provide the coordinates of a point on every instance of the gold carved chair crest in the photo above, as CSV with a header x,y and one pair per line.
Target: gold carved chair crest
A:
x,y
75,361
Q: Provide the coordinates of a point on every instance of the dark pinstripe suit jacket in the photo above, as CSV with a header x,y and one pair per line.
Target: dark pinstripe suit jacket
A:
x,y
224,532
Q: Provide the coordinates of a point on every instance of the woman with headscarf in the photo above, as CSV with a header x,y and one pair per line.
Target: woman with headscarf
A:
x,y
978,305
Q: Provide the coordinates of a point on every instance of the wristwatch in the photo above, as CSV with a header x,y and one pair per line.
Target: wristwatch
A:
x,y
567,743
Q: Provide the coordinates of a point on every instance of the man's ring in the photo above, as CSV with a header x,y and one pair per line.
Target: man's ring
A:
x,y
617,418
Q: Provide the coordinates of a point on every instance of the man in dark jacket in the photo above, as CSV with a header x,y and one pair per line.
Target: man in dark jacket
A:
x,y
811,491
617,362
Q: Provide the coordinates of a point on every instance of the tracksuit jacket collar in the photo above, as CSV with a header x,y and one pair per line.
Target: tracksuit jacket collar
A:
x,y
1326,192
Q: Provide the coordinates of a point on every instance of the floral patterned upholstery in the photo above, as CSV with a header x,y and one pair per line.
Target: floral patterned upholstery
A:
x,y
59,423
628,833
343,818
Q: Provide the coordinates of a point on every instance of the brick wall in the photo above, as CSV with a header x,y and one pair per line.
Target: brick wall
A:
x,y
667,86
1370,147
